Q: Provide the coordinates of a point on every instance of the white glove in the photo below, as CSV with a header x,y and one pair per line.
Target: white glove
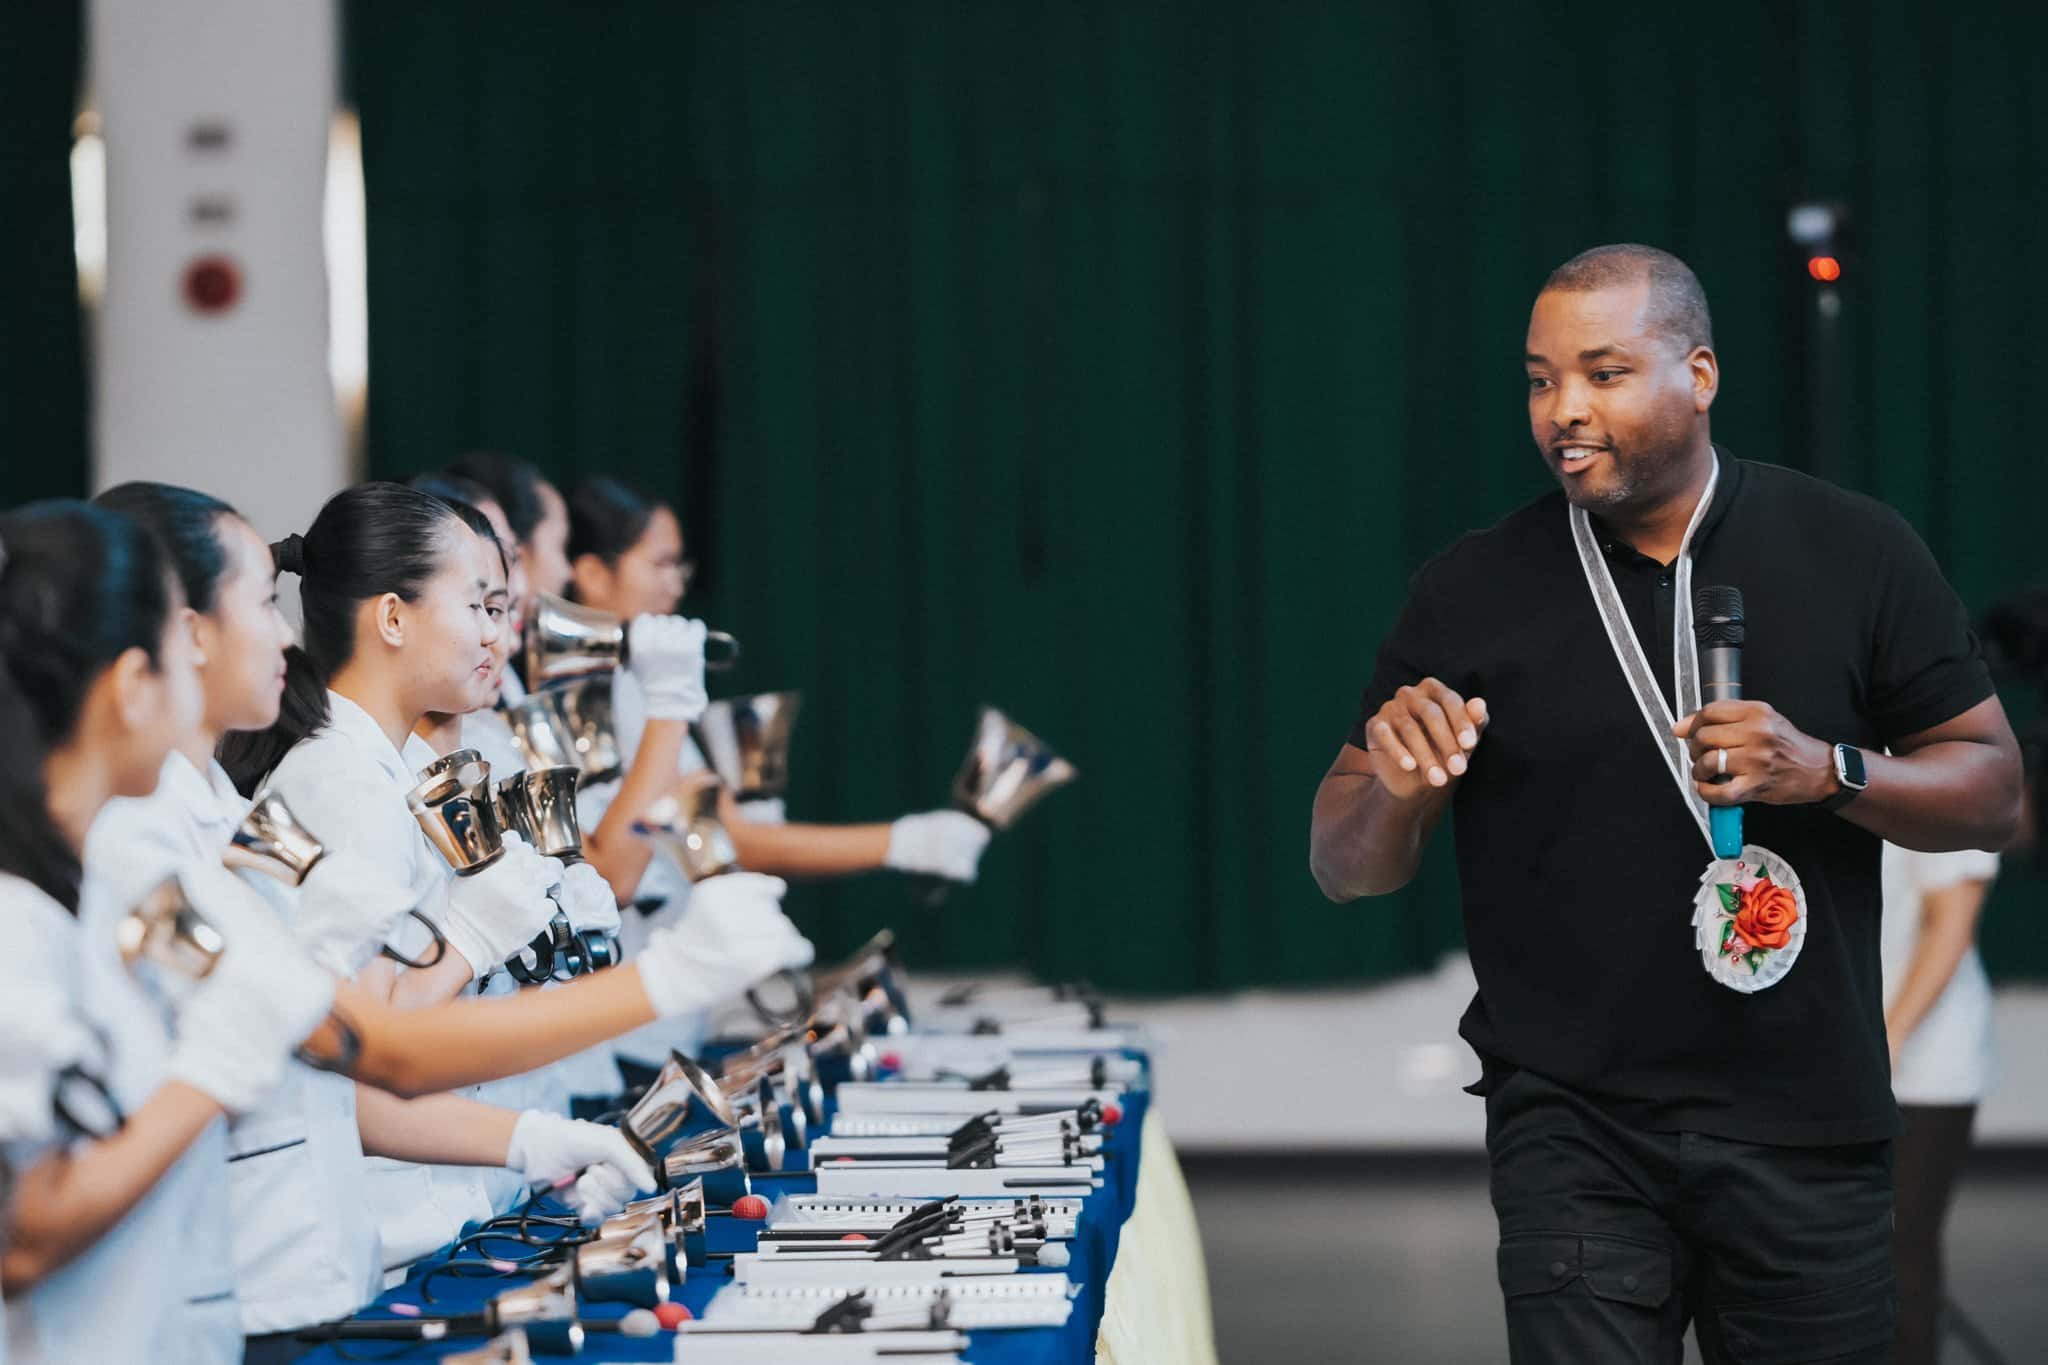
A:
x,y
501,909
667,656
39,1037
238,1027
939,843
348,907
732,935
764,810
548,1149
587,899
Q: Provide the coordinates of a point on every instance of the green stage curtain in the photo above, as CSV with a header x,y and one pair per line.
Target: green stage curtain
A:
x,y
1116,364
42,369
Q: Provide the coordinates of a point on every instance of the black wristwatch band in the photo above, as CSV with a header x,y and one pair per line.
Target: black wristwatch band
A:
x,y
1849,773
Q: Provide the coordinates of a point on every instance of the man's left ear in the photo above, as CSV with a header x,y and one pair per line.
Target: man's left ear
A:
x,y
1706,377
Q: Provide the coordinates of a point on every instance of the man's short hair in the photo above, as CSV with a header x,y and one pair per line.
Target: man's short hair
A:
x,y
1678,306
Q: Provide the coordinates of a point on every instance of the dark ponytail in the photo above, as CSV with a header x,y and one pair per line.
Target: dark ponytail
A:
x,y
467,498
79,587
513,484
186,523
368,540
607,518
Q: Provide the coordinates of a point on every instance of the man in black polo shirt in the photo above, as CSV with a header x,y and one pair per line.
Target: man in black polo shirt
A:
x,y
1683,1125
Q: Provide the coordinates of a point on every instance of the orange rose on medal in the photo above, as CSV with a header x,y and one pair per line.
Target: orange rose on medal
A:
x,y
1767,915
1749,919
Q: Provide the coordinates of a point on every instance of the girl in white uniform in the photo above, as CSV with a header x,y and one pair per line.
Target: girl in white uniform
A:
x,y
588,901
115,1247
1938,1021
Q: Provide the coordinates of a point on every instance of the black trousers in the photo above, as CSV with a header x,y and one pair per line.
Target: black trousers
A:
x,y
1613,1240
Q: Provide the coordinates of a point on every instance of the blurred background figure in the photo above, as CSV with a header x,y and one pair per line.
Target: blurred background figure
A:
x,y
1938,1022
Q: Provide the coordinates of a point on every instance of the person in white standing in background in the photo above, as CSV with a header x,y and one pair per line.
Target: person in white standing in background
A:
x,y
1937,1018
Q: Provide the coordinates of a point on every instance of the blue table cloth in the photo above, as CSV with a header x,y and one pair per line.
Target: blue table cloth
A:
x,y
1093,1250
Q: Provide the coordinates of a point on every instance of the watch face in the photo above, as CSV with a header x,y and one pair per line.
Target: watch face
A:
x,y
1849,767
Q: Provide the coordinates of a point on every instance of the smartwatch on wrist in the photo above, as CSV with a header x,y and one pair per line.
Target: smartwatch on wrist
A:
x,y
1849,774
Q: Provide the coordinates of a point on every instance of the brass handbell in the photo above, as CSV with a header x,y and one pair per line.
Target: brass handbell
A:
x,y
167,931
586,711
697,1159
454,807
747,741
566,640
549,1299
682,1106
540,806
630,1268
689,828
873,979
1007,771
541,731
271,840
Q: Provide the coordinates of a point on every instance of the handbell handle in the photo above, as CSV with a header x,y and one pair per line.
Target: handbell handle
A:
x,y
725,662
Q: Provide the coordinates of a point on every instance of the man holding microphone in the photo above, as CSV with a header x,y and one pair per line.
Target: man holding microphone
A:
x,y
1689,1115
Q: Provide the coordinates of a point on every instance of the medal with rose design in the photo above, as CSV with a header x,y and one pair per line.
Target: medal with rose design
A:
x,y
1749,918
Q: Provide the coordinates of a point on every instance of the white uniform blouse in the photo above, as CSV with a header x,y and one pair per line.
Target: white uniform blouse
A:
x,y
305,1247
159,1284
347,783
1948,1058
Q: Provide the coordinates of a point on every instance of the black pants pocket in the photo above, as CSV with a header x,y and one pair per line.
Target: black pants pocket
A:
x,y
1577,1298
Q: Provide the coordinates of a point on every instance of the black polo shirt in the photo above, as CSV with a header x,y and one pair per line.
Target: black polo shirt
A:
x,y
1577,859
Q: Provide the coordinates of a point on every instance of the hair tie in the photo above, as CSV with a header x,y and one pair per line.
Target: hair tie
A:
x,y
290,554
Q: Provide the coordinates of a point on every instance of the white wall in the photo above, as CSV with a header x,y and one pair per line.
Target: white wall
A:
x,y
238,403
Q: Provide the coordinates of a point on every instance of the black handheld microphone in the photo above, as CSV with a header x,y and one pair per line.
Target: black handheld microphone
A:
x,y
1718,629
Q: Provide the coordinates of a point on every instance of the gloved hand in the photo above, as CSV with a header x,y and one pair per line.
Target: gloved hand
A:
x,y
666,654
587,899
39,1037
238,1027
348,907
732,935
939,843
547,1148
498,911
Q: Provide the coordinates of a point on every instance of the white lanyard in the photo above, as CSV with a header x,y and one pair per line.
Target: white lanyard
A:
x,y
1628,651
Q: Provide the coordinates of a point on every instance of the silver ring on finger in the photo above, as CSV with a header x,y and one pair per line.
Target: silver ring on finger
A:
x,y
1721,762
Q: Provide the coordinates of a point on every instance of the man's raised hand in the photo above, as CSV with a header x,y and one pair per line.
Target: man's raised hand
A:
x,y
1421,739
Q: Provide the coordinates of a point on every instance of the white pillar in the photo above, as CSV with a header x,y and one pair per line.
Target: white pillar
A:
x,y
216,115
